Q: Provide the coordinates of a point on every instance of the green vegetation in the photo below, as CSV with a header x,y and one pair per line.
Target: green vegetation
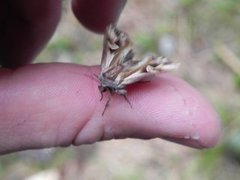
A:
x,y
237,81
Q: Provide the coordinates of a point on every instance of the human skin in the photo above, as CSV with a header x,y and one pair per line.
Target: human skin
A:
x,y
50,105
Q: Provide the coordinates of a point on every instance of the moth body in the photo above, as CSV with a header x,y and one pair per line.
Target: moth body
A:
x,y
118,67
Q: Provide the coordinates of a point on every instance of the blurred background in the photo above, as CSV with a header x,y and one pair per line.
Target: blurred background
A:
x,y
205,37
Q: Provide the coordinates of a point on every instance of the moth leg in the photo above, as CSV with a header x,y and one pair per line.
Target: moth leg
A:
x,y
144,81
106,105
125,97
101,95
101,90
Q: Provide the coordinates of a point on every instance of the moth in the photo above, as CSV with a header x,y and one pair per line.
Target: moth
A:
x,y
119,68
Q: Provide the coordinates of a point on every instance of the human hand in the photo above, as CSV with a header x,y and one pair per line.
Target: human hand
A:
x,y
47,105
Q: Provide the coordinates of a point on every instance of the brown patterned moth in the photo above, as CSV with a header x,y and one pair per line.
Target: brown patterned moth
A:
x,y
119,69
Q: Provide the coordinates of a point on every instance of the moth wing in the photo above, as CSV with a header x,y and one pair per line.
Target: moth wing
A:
x,y
117,49
133,71
161,64
144,69
106,54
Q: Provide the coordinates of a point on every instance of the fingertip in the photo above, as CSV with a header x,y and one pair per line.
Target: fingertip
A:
x,y
29,26
96,15
168,108
200,122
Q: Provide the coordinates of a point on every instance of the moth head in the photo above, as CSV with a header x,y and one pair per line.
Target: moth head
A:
x,y
103,85
102,88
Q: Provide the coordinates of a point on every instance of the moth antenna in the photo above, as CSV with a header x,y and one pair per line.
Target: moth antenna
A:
x,y
125,97
144,81
93,77
106,105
